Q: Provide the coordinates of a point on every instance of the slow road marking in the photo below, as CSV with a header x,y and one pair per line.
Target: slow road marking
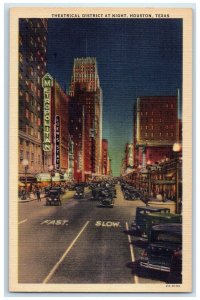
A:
x,y
132,253
53,270
23,221
107,224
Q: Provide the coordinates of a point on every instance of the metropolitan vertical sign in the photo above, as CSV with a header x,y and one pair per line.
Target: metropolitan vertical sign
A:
x,y
47,83
57,142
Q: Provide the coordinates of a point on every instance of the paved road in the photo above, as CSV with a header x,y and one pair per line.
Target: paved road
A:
x,y
78,242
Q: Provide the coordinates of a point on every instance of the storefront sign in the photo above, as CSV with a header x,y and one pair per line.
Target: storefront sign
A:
x,y
57,142
47,83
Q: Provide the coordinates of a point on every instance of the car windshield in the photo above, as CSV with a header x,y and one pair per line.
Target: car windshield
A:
x,y
174,237
53,193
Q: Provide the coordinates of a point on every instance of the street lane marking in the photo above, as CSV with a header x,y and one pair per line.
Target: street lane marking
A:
x,y
55,222
53,270
132,253
23,221
107,224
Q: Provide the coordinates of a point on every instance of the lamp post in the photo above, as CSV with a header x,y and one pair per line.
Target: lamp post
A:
x,y
25,165
177,149
51,172
149,177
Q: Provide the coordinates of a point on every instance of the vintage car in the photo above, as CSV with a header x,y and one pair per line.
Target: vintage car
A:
x,y
166,239
156,218
138,225
79,192
53,197
107,202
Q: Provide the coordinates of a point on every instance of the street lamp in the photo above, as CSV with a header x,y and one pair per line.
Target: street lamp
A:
x,y
51,172
25,165
177,149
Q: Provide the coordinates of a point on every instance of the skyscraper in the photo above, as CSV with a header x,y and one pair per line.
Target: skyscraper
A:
x,y
32,67
86,92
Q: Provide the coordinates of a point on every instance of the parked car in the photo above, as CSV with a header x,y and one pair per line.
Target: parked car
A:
x,y
141,212
166,239
147,220
53,197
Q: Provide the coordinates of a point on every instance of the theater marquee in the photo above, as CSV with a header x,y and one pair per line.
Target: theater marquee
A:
x,y
47,83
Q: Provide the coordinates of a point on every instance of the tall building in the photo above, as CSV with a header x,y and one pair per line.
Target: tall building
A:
x,y
32,67
104,157
87,98
56,139
156,128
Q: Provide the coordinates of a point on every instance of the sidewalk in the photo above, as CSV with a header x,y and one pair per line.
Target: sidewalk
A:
x,y
32,198
168,204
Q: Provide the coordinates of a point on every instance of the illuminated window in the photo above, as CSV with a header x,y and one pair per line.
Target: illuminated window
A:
x,y
27,113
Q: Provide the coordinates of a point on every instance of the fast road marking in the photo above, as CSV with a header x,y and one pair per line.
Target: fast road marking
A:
x,y
55,222
107,224
132,253
23,221
53,270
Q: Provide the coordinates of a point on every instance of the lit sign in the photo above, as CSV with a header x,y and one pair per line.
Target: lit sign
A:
x,y
47,83
57,142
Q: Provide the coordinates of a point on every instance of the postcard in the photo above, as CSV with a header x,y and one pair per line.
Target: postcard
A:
x,y
100,178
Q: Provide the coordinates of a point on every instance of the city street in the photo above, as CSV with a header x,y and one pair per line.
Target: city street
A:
x,y
78,242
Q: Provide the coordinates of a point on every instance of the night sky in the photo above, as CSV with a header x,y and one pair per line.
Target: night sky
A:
x,y
136,57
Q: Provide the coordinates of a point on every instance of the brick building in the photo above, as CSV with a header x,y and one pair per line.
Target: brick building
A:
x,y
156,128
104,157
85,92
55,126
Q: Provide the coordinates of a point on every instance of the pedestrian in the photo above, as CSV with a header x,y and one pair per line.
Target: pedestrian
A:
x,y
38,195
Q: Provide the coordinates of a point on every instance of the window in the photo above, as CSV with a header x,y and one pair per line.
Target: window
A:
x,y
31,117
27,129
38,122
21,154
32,156
27,97
27,113
152,134
27,155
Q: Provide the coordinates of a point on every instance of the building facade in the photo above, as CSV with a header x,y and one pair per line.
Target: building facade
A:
x,y
86,99
32,67
56,138
156,129
105,157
